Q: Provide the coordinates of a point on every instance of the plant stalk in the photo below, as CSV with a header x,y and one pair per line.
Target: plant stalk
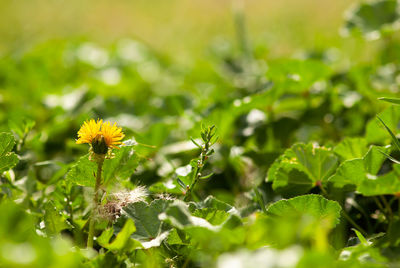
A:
x,y
350,220
197,173
398,209
388,208
95,202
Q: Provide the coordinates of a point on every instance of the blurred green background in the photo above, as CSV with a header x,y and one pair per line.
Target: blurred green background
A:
x,y
179,28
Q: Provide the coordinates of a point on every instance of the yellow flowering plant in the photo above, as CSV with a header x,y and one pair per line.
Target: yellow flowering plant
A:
x,y
102,138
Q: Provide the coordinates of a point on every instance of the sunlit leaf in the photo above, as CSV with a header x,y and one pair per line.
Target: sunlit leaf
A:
x,y
8,159
54,221
313,205
301,168
121,240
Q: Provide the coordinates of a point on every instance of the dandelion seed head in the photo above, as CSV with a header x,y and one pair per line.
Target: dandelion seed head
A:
x,y
117,201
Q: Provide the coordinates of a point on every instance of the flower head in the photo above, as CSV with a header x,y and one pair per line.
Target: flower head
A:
x,y
88,131
112,134
101,136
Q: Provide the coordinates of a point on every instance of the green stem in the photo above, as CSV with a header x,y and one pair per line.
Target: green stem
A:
x,y
378,203
95,203
197,173
388,208
349,219
398,199
207,136
323,190
260,200
71,211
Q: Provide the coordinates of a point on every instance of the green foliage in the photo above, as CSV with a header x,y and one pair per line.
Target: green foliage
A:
x,y
353,172
374,18
301,168
214,145
313,205
122,240
8,159
381,185
149,229
53,221
376,132
22,246
350,148
120,167
82,173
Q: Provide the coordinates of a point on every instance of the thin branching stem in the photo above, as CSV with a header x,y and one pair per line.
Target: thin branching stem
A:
x,y
196,176
207,135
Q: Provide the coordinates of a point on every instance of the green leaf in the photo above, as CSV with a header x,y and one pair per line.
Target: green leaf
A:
x,y
213,216
105,237
223,233
179,216
54,221
21,126
83,172
372,18
205,177
181,183
212,202
120,167
171,187
362,255
313,205
351,173
300,168
195,143
122,239
350,148
290,180
388,183
148,225
8,159
374,158
177,237
360,237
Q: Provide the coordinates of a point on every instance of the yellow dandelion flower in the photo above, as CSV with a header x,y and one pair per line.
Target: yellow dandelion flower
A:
x,y
101,136
112,134
88,131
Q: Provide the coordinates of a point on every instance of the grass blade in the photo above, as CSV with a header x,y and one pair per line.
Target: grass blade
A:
x,y
391,100
395,140
389,157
